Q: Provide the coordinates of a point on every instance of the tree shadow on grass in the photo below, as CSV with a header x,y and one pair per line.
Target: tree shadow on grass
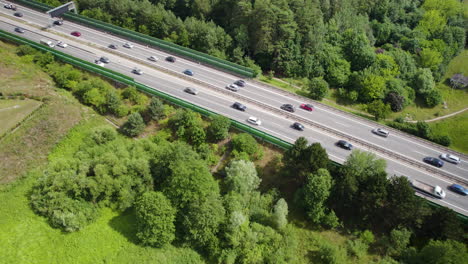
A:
x,y
125,224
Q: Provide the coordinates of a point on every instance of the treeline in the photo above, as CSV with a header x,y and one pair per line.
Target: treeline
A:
x,y
390,51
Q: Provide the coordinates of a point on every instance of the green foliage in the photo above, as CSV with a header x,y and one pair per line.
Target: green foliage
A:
x,y
397,242
134,125
218,128
156,109
24,50
314,194
438,252
188,126
332,254
245,143
155,219
302,159
280,214
357,248
241,177
318,88
379,109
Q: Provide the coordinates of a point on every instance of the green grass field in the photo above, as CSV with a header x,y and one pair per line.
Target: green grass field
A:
x,y
457,128
13,111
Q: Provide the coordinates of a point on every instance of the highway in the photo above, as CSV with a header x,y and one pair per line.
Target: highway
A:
x,y
262,101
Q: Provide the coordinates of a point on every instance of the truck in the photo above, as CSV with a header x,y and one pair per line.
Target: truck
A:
x,y
48,43
433,190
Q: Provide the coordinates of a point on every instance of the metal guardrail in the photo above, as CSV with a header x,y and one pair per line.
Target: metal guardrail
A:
x,y
136,36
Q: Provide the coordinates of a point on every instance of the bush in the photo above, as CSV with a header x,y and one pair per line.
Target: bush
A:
x,y
246,143
357,248
332,254
318,88
134,125
443,140
219,128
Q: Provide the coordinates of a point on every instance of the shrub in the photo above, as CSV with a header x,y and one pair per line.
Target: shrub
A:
x,y
246,143
332,254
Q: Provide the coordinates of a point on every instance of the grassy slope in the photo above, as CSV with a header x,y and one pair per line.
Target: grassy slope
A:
x,y
457,128
13,111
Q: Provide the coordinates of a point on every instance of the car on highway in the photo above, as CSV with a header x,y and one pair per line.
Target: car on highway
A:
x,y
344,144
434,161
113,46
20,30
191,90
62,44
58,22
459,189
128,45
153,58
450,158
254,120
240,83
381,132
76,33
232,87
307,107
100,63
298,126
239,106
188,72
104,59
170,59
10,6
137,71
18,14
288,107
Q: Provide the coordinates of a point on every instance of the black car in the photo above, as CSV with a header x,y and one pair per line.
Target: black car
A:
x,y
170,59
239,106
344,144
298,126
19,30
288,107
58,22
240,83
104,59
113,46
459,189
18,14
434,161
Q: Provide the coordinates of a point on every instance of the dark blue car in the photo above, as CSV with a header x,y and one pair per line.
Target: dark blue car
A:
x,y
434,161
459,189
189,72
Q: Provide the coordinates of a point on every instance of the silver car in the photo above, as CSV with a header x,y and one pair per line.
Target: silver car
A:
x,y
254,120
450,158
232,87
381,132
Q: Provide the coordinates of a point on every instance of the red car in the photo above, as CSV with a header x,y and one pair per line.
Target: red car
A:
x,y
307,107
76,33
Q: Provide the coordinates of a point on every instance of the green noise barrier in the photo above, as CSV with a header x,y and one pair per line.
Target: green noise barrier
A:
x,y
164,45
130,81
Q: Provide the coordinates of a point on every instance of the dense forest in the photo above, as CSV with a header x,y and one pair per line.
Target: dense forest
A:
x,y
165,181
389,51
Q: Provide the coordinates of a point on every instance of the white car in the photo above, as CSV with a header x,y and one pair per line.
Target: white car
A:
x,y
254,120
128,45
137,71
232,87
153,58
62,44
100,63
450,158
381,132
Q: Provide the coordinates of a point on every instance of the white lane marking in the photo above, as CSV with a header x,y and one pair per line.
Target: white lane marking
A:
x,y
342,124
442,201
420,153
338,158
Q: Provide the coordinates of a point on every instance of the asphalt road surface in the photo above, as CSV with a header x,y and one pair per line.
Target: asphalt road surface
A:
x,y
258,98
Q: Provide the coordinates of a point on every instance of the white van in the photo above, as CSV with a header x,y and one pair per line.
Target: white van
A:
x,y
48,43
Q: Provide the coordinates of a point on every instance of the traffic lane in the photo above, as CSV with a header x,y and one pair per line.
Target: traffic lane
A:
x,y
318,116
41,18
